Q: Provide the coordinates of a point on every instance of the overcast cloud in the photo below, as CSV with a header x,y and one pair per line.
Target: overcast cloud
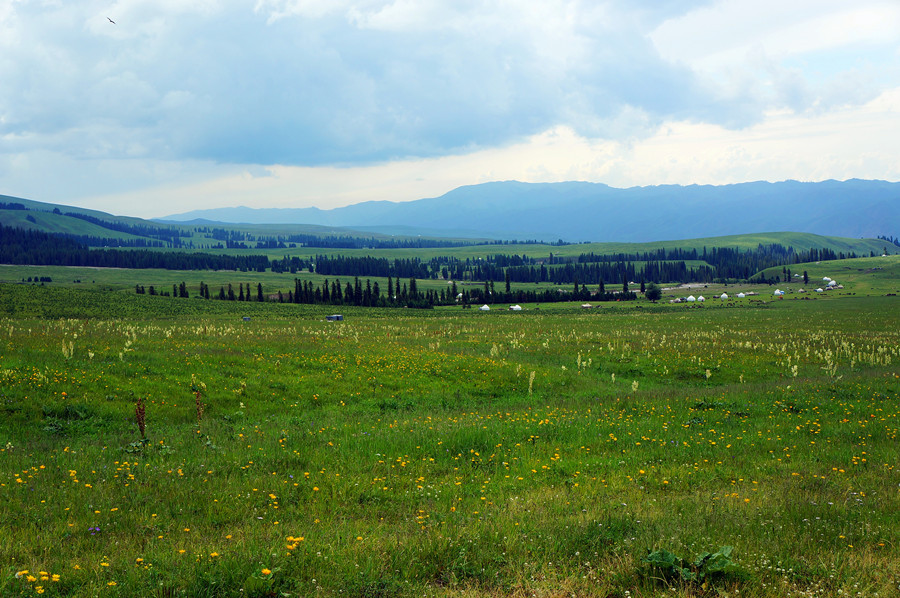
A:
x,y
182,105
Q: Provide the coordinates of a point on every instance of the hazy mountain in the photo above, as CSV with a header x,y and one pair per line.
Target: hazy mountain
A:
x,y
576,211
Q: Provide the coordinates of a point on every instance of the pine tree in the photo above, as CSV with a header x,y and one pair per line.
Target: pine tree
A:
x,y
367,294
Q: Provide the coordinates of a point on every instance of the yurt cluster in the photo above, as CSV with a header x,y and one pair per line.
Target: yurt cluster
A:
x,y
829,284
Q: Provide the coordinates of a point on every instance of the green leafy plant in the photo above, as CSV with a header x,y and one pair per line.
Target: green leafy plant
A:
x,y
705,567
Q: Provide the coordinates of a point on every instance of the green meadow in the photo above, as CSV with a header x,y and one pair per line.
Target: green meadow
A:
x,y
153,446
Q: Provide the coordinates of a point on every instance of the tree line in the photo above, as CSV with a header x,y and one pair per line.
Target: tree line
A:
x,y
22,246
396,294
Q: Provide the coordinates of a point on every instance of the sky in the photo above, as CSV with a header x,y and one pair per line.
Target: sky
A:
x,y
156,107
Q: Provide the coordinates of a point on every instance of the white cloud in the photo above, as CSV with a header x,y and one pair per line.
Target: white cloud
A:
x,y
856,142
804,54
727,31
348,100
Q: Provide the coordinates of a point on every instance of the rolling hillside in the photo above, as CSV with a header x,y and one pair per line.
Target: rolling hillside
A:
x,y
62,219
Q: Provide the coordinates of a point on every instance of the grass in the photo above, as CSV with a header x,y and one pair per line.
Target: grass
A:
x,y
446,453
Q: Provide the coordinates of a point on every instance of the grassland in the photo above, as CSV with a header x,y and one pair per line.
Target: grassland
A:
x,y
871,276
449,452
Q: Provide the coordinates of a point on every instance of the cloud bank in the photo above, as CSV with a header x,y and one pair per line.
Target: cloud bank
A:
x,y
178,95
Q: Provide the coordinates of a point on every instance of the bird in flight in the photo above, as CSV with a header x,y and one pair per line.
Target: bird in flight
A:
x,y
110,20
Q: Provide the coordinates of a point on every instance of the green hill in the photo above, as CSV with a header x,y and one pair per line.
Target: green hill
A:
x,y
864,276
62,219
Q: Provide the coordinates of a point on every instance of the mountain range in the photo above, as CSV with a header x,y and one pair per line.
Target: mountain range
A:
x,y
579,211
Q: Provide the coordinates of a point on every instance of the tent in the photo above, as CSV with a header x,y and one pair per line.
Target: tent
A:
x,y
691,298
741,295
485,307
723,296
515,308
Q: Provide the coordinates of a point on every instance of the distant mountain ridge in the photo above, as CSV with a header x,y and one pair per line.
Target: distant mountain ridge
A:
x,y
579,211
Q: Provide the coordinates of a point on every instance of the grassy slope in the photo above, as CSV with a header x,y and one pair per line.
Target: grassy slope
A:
x,y
864,276
49,222
799,241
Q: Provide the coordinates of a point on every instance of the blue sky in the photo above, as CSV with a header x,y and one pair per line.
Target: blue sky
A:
x,y
294,103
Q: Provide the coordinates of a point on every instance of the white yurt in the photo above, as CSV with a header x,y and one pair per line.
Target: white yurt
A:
x,y
820,290
691,298
741,295
515,308
485,307
723,296
701,298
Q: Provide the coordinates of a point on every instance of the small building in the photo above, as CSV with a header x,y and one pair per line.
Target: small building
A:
x,y
723,296
485,307
334,318
741,295
246,318
586,306
515,308
691,299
